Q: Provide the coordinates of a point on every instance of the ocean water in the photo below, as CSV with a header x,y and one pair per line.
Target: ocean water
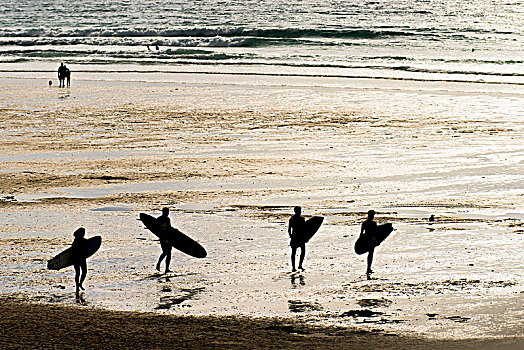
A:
x,y
433,40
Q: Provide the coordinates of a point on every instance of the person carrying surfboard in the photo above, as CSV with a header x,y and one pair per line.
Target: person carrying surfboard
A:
x,y
295,231
79,246
165,244
367,231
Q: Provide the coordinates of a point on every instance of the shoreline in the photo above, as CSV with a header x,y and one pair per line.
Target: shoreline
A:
x,y
26,325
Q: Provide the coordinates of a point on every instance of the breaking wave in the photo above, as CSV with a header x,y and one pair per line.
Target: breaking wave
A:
x,y
351,33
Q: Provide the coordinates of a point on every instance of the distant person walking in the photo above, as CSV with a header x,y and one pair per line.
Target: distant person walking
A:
x,y
64,75
165,244
61,74
68,77
295,231
79,247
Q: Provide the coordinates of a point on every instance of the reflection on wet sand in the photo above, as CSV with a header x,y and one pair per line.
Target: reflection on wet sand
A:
x,y
180,296
80,299
303,306
166,277
300,277
382,302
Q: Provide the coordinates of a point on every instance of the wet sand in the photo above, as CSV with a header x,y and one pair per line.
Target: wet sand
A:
x,y
228,157
31,326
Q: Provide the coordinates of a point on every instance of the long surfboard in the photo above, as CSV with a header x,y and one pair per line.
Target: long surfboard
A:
x,y
366,242
177,239
66,258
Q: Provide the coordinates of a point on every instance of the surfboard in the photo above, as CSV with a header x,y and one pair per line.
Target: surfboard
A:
x,y
364,244
177,239
66,258
311,227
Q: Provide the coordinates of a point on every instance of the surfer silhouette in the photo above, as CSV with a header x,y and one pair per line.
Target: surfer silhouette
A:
x,y
367,231
295,230
164,243
79,261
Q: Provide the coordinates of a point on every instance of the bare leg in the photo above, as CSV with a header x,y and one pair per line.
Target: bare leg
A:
x,y
302,255
162,256
168,261
370,261
293,253
83,267
77,279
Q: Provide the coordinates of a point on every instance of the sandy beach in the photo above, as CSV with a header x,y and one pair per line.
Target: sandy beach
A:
x,y
232,113
231,164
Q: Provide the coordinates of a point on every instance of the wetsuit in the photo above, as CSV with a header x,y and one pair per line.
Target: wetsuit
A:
x,y
79,262
296,226
367,231
164,243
